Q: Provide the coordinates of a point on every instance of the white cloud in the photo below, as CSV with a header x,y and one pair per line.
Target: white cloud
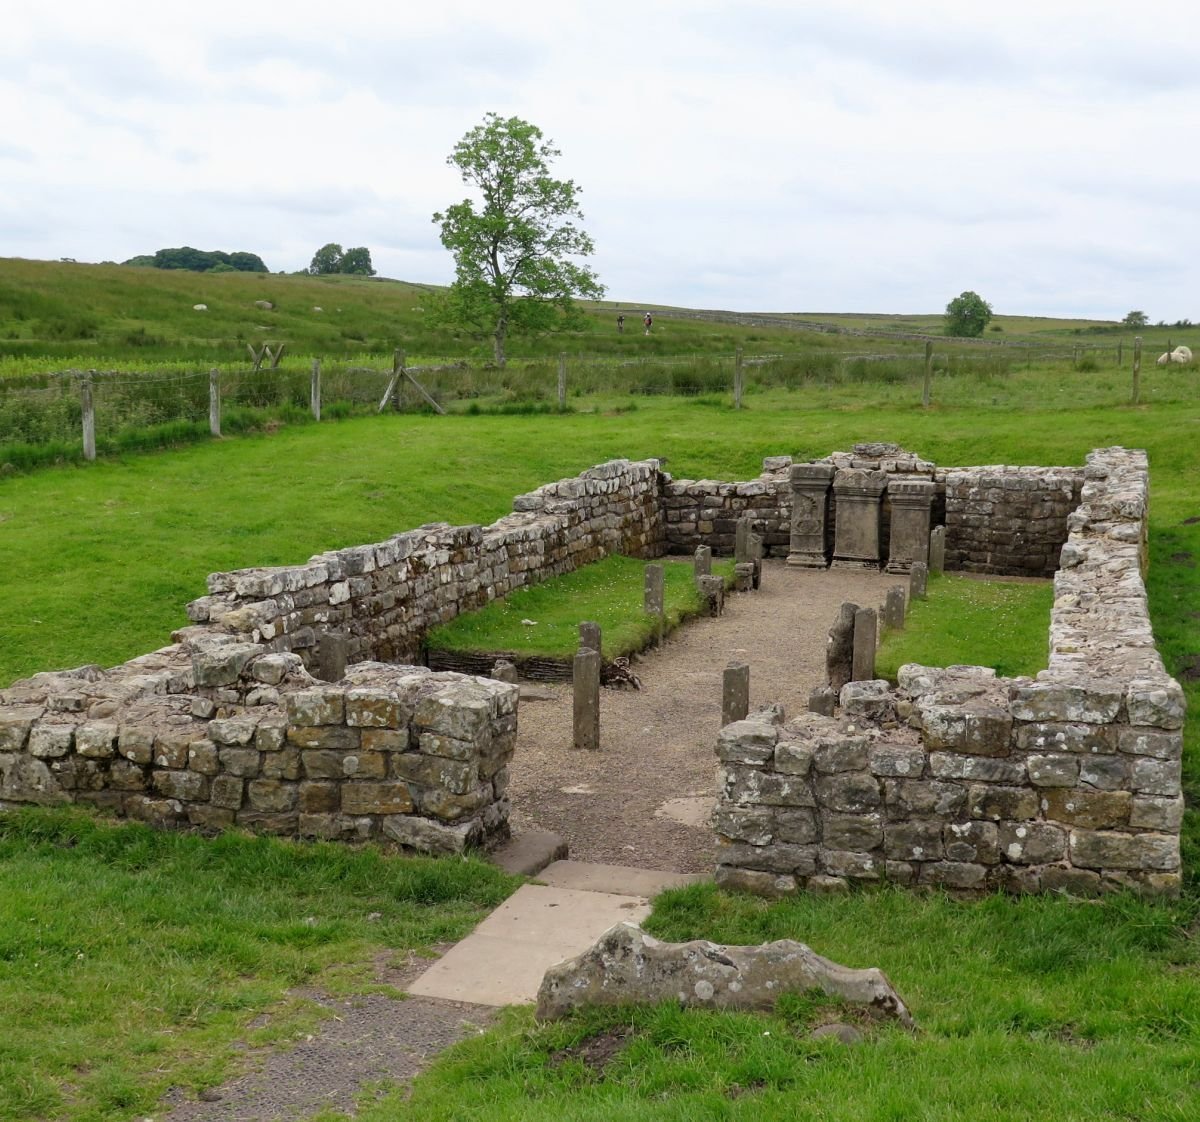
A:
x,y
825,156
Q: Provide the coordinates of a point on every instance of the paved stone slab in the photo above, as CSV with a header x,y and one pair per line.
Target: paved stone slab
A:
x,y
503,960
527,854
616,879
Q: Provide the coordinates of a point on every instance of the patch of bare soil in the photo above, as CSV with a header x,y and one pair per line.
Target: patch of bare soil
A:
x,y
595,1052
642,800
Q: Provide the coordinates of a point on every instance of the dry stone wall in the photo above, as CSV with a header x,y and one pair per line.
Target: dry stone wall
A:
x,y
962,780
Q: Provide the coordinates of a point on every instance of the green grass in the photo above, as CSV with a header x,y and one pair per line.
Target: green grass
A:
x,y
1034,1008
966,621
609,592
131,960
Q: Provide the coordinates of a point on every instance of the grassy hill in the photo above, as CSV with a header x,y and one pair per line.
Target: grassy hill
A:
x,y
63,310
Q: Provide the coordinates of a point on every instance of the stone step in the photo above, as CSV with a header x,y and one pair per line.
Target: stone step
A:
x,y
587,877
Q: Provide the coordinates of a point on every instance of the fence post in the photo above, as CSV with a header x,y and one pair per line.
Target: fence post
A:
x,y
89,416
562,383
1120,351
927,385
315,390
1137,369
214,402
738,375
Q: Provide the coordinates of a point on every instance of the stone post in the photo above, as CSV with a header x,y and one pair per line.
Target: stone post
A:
x,y
314,389
917,579
937,549
88,410
331,656
859,494
866,638
735,693
912,511
587,699
839,650
712,588
703,561
589,636
743,549
893,608
214,402
810,496
654,600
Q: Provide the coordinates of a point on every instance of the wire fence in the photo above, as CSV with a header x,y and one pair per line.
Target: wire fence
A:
x,y
73,414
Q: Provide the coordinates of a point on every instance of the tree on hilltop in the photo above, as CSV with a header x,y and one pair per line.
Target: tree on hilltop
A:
x,y
967,315
512,256
331,258
1135,319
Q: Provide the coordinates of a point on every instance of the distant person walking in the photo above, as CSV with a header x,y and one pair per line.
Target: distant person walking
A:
x,y
620,325
647,322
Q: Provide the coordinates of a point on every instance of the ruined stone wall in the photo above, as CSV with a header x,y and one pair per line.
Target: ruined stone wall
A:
x,y
215,733
706,511
1008,519
960,779
385,596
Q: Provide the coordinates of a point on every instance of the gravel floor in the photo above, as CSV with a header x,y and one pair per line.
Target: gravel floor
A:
x,y
630,803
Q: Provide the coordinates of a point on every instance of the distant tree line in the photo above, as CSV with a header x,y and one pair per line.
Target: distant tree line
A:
x,y
201,260
331,258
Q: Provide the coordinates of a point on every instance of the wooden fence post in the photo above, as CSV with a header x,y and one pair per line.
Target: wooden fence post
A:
x,y
214,402
927,385
89,416
738,375
315,389
1137,369
562,383
1120,352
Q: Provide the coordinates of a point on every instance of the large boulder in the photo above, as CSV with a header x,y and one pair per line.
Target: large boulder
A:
x,y
627,966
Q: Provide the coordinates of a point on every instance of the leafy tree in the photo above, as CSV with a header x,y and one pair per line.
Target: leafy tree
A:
x,y
357,261
327,259
247,262
1136,319
967,315
201,260
512,256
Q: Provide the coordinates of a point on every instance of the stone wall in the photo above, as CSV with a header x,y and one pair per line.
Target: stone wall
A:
x,y
706,511
214,733
960,779
384,597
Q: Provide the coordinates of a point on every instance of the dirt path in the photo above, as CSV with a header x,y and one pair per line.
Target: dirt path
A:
x,y
622,805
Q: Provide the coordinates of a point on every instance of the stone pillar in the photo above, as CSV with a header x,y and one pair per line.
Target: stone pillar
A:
x,y
702,564
823,700
810,495
912,508
866,639
735,693
743,547
839,650
859,494
937,549
587,699
654,602
505,671
917,580
589,636
331,656
712,588
893,608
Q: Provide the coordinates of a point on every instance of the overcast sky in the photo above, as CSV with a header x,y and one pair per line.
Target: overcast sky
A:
x,y
776,156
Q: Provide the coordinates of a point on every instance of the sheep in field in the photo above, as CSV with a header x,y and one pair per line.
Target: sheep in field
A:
x,y
1181,356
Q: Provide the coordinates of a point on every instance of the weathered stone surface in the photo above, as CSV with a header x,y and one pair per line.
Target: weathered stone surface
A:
x,y
388,797
778,857
432,837
1078,806
996,803
857,832
1053,771
772,885
1089,702
870,699
972,842
628,966
913,841
1101,849
748,741
839,648
974,728
316,707
848,792
1032,843
897,761
983,769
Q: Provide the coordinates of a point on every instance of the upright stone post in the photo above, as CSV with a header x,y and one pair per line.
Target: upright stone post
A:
x,y
589,636
702,563
839,649
712,588
739,376
586,680
314,394
866,639
918,578
742,549
562,383
88,408
810,499
214,402
332,650
893,608
912,512
859,496
937,549
654,601
735,693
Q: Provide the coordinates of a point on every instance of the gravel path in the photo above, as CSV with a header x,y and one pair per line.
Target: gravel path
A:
x,y
643,799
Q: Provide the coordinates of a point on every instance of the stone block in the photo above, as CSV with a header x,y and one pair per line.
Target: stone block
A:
x,y
870,699
752,825
1150,742
773,886
203,757
1103,849
49,742
913,841
1053,770
749,786
243,762
1091,702
955,875
221,664
126,776
1070,882
997,803
1156,702
797,825
839,648
386,797
399,740
822,700
1043,736
96,740
981,769
375,708
435,772
428,836
831,756
854,866
897,761
1106,773
1156,777
171,748
136,744
855,832
750,741
210,819
271,795
329,738
848,792
971,728
317,797
1032,843
281,765
268,822
779,857
226,791
1162,814
316,707
917,798
976,843
461,710
1081,806
793,757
